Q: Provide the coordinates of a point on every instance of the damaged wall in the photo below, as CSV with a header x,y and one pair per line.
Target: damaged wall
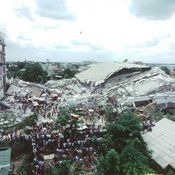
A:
x,y
2,64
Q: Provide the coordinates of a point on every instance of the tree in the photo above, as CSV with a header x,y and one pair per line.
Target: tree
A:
x,y
165,69
28,121
69,73
133,159
62,120
64,168
14,71
109,113
77,168
63,117
126,126
109,164
21,65
34,73
107,143
123,136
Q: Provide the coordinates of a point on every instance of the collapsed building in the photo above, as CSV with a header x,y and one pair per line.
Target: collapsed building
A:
x,y
106,73
131,85
143,87
22,88
123,83
120,84
2,65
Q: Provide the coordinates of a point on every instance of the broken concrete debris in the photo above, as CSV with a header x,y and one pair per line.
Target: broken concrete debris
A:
x,y
120,85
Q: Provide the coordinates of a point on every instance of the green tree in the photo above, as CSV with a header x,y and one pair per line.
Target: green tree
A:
x,y
34,73
69,73
107,143
133,159
64,168
63,117
123,136
62,120
77,169
14,71
165,69
21,65
126,126
28,121
109,113
109,164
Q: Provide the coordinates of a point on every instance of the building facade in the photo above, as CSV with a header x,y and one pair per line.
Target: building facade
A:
x,y
2,65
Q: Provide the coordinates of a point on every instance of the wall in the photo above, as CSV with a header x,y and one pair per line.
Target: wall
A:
x,y
2,65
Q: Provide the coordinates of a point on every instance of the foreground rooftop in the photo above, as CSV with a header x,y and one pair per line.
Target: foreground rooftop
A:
x,y
5,154
162,142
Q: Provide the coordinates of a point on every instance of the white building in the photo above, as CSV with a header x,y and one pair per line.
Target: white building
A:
x,y
2,65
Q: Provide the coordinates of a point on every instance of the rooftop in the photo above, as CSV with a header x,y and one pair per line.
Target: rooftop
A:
x,y
162,142
99,72
5,154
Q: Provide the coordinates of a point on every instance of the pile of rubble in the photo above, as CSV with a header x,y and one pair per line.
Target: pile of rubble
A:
x,y
151,83
85,103
148,85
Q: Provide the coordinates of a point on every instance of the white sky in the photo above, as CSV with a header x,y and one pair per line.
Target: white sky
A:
x,y
77,30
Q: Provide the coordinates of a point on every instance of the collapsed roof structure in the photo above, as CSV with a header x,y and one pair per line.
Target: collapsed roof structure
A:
x,y
100,72
162,142
124,85
3,106
128,83
22,88
151,83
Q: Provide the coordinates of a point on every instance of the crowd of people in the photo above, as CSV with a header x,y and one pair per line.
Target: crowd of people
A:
x,y
147,122
67,142
70,142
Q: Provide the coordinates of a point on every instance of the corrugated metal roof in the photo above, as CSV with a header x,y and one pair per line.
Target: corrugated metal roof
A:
x,y
161,140
97,73
5,154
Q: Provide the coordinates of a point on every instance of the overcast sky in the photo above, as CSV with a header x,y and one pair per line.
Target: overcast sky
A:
x,y
78,30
